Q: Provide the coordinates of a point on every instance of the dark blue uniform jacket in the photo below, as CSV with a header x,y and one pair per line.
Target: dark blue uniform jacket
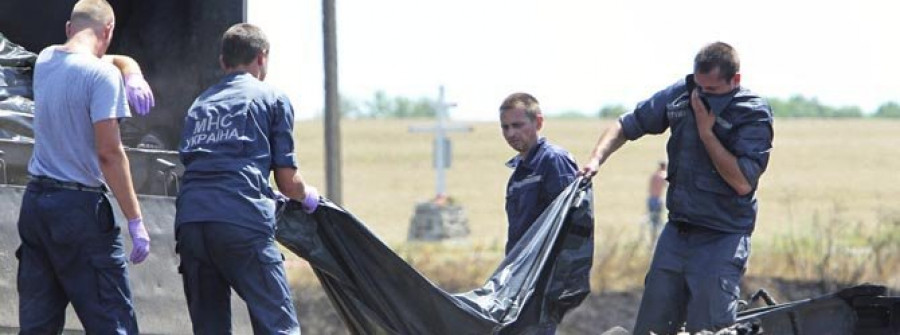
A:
x,y
535,182
697,194
235,133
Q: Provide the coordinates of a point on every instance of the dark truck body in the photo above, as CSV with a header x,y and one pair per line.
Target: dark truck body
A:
x,y
176,43
858,310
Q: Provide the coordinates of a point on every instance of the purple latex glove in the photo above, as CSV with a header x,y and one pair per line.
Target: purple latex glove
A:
x,y
139,94
311,201
140,240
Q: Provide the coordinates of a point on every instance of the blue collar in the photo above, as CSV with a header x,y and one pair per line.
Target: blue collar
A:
x,y
532,156
237,75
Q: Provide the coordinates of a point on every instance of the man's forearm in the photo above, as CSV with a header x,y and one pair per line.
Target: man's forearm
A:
x,y
290,183
115,168
125,64
725,163
611,140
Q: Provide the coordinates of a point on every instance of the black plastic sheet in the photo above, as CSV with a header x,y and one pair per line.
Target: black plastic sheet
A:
x,y
14,55
16,65
16,107
376,292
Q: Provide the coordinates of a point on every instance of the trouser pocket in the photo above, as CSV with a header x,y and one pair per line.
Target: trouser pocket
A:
x,y
111,310
111,280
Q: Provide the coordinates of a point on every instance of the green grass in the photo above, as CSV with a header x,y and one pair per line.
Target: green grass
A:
x,y
832,188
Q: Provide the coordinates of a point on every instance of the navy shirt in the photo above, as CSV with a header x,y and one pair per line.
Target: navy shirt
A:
x,y
697,194
534,184
234,134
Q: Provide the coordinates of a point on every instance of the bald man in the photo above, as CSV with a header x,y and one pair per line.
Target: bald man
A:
x,y
71,248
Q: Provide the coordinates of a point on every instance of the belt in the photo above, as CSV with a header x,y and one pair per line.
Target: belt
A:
x,y
68,185
685,228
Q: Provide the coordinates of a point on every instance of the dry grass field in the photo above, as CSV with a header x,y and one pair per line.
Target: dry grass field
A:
x,y
829,202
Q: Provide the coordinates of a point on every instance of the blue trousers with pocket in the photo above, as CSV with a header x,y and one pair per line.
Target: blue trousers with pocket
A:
x,y
71,252
694,280
217,257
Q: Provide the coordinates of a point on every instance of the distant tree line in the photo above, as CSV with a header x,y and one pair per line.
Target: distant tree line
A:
x,y
383,106
799,106
889,109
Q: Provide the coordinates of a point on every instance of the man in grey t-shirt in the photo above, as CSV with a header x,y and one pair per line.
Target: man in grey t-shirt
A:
x,y
71,249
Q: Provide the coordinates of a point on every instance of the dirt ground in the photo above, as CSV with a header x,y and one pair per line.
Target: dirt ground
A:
x,y
597,314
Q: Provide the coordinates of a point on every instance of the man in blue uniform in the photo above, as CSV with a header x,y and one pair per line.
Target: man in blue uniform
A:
x,y
71,249
235,134
721,136
541,171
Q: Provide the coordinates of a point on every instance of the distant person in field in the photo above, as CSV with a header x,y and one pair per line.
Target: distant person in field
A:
x,y
72,250
541,171
235,135
654,199
719,145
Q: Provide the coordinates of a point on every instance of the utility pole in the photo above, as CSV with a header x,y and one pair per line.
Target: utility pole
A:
x,y
332,105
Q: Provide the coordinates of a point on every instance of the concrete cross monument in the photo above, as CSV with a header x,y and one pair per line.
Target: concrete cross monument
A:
x,y
439,218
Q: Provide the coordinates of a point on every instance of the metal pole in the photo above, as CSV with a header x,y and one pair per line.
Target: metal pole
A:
x,y
332,105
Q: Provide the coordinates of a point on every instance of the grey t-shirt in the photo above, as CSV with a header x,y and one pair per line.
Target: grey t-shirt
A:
x,y
72,91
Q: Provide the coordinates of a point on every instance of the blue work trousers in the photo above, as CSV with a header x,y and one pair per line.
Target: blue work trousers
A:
x,y
694,280
216,257
71,251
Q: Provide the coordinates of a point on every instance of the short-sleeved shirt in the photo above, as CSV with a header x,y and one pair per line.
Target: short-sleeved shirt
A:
x,y
72,91
697,194
536,181
235,134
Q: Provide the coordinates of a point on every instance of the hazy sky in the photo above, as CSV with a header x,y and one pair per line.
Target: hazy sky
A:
x,y
580,55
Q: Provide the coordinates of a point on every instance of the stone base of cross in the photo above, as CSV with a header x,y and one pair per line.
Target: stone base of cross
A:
x,y
435,222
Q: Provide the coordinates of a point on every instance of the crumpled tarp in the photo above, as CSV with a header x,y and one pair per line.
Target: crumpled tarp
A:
x,y
376,292
16,65
16,117
16,107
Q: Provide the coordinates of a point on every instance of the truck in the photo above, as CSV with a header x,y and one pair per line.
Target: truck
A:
x,y
176,43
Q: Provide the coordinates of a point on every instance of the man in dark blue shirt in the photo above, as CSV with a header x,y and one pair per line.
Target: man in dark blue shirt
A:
x,y
541,170
235,133
721,136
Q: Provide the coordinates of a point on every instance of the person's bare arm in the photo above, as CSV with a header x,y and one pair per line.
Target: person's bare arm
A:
x,y
125,64
137,90
115,167
726,164
290,183
611,140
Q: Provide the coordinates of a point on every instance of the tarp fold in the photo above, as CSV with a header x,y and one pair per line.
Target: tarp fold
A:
x,y
376,292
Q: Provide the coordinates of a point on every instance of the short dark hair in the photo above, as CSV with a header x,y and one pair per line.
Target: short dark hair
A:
x,y
718,55
92,13
242,43
527,101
